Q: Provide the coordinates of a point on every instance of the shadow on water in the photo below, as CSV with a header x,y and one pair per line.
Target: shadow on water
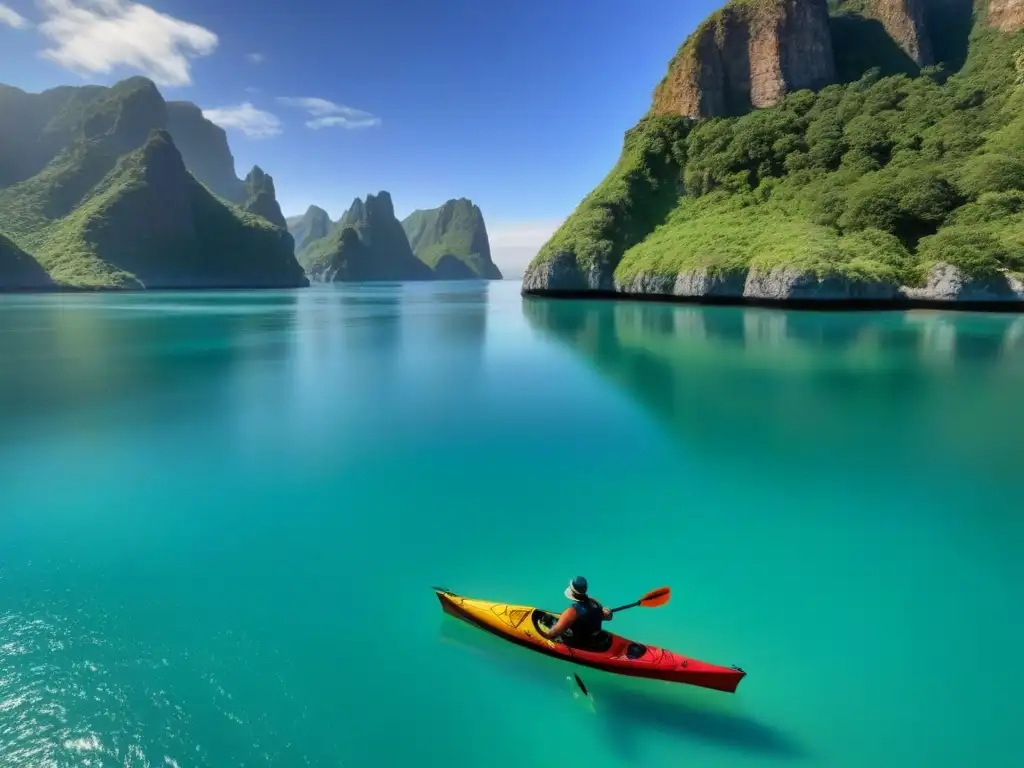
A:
x,y
629,709
741,380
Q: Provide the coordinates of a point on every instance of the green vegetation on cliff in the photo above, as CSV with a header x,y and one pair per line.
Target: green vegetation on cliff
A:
x,y
314,224
94,219
631,201
455,230
874,180
261,197
101,198
368,243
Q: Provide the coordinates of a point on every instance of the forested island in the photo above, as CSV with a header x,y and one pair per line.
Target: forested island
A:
x,y
865,151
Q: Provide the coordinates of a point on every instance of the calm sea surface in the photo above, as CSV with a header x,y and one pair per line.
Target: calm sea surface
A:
x,y
221,513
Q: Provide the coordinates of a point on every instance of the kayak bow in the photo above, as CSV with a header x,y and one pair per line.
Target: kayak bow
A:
x,y
520,624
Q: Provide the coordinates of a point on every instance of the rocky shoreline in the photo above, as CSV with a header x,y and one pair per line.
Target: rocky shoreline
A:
x,y
946,287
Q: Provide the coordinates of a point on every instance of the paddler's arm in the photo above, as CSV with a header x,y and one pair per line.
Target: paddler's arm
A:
x,y
564,622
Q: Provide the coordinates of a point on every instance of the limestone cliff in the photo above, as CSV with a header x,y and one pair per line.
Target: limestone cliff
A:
x,y
903,20
368,244
204,148
895,190
1006,15
455,231
261,197
313,225
749,54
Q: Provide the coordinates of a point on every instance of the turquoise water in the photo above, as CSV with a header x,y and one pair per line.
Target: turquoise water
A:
x,y
222,512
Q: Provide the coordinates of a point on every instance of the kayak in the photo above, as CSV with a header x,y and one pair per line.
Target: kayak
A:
x,y
520,624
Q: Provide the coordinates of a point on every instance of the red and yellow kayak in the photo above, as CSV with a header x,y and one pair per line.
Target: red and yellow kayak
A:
x,y
519,624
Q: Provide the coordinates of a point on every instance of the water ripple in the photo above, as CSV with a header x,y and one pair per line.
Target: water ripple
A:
x,y
69,696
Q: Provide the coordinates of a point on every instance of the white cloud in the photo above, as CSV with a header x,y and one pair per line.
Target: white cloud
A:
x,y
338,121
12,18
254,123
256,58
327,114
515,243
98,36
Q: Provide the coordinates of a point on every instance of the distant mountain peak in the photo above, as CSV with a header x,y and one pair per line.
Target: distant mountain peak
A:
x,y
261,197
368,243
313,225
455,230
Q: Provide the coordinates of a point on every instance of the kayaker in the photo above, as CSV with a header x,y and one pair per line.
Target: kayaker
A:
x,y
584,616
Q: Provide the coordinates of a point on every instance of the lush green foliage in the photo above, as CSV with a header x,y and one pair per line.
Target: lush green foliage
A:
x,y
313,225
95,219
368,243
877,178
455,229
95,190
637,195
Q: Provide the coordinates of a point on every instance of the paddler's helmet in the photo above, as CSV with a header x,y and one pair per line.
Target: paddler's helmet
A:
x,y
577,589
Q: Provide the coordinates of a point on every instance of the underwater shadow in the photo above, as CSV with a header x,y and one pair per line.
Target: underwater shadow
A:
x,y
626,713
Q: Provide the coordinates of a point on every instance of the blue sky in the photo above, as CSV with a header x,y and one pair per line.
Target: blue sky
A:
x,y
520,106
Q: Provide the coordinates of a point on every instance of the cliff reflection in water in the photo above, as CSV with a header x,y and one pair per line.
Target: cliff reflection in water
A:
x,y
125,350
750,382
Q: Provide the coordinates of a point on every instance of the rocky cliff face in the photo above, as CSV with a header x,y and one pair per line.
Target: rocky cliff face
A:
x,y
455,231
725,211
261,197
749,54
1006,15
903,20
204,148
752,52
313,225
367,244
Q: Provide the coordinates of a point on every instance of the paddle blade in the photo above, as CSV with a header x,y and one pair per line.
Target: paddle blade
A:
x,y
656,597
581,685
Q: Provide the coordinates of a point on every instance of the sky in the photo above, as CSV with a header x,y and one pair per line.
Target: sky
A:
x,y
520,106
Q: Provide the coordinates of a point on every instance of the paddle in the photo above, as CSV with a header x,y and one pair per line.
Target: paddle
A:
x,y
581,685
586,694
653,599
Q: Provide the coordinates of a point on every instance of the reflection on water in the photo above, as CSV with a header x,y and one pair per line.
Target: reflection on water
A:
x,y
746,381
146,350
115,350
